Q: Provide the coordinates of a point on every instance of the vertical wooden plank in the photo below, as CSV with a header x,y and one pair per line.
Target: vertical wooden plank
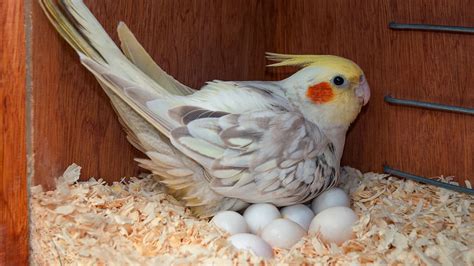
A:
x,y
3,246
194,40
435,67
358,31
13,190
425,66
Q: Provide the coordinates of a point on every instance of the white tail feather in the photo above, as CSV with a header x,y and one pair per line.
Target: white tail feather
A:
x,y
117,62
137,54
119,86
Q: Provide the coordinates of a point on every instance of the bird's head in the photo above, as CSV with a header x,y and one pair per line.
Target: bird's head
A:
x,y
329,90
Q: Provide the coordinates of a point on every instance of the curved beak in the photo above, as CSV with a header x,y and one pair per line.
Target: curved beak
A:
x,y
363,91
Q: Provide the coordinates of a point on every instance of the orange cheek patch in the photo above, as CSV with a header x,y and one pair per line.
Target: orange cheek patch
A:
x,y
320,93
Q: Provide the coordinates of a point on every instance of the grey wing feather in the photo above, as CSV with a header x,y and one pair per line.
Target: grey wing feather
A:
x,y
266,156
183,178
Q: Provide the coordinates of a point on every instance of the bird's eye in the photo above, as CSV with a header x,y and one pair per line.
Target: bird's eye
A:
x,y
338,80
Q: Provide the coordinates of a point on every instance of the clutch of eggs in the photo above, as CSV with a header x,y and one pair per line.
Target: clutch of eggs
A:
x,y
263,227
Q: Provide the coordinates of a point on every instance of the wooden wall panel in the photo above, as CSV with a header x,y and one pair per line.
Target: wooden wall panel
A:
x,y
195,41
13,188
201,40
425,66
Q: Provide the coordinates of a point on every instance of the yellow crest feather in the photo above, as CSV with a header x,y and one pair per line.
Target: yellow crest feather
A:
x,y
293,60
312,60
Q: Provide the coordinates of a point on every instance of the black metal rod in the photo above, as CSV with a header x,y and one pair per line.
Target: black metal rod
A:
x,y
435,106
429,27
389,170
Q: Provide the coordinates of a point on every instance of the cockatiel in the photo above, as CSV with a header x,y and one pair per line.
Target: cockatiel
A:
x,y
230,143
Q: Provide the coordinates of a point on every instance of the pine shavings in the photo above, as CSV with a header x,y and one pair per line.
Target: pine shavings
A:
x,y
64,210
135,223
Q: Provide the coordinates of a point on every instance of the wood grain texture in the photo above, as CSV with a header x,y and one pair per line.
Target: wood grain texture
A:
x,y
13,188
195,41
425,66
3,246
198,41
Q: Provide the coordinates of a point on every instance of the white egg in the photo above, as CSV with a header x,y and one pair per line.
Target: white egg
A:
x,y
299,213
334,225
334,197
252,242
259,215
231,222
282,233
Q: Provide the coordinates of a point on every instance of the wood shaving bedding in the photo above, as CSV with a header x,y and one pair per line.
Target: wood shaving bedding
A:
x,y
135,223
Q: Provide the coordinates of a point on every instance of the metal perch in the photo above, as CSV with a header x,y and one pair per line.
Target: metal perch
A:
x,y
429,27
428,105
389,170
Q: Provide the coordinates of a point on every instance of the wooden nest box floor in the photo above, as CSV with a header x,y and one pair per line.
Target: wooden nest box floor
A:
x,y
400,222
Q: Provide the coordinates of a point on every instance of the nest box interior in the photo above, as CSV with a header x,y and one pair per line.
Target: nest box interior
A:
x,y
55,111
197,41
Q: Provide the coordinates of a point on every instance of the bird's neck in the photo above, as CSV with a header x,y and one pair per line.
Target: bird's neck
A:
x,y
337,135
